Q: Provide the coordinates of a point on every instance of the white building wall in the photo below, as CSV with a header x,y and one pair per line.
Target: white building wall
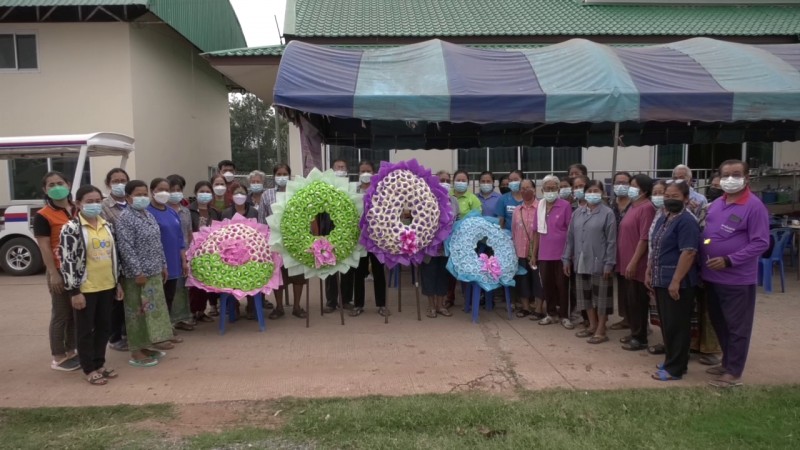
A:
x,y
83,85
787,155
632,159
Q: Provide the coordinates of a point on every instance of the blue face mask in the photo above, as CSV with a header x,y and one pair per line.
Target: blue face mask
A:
x,y
461,186
118,190
175,197
621,190
446,186
658,201
514,185
593,198
578,194
92,209
140,203
204,197
256,188
633,193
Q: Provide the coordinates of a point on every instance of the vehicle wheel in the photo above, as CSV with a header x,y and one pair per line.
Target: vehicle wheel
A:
x,y
20,257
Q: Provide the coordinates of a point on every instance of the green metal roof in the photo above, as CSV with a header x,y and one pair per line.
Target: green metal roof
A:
x,y
268,50
208,24
424,18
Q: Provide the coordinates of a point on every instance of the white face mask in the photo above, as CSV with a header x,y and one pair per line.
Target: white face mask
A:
x,y
446,186
281,181
365,178
550,197
239,199
487,187
732,185
565,192
633,193
161,197
257,188
229,176
340,173
220,190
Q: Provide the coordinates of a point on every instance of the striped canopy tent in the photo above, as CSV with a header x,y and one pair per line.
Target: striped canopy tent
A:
x,y
435,94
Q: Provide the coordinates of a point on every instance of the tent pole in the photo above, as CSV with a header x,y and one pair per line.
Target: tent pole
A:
x,y
616,148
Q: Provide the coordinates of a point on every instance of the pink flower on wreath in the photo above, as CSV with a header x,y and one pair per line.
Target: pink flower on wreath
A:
x,y
234,252
490,266
408,242
323,253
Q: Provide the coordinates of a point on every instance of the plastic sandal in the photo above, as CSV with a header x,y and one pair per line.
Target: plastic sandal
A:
x,y
108,373
597,339
276,314
299,313
523,313
96,379
663,375
356,312
725,384
657,349
147,362
717,370
431,313
584,333
445,312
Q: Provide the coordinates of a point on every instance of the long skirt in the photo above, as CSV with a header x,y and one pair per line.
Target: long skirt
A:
x,y
146,315
180,304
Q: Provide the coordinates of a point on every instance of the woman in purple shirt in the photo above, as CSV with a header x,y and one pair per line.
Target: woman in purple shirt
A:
x,y
553,217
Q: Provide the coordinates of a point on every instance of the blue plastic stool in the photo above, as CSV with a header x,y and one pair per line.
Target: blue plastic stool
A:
x,y
782,237
228,310
472,300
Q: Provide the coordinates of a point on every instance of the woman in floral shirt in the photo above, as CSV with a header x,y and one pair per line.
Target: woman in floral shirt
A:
x,y
144,269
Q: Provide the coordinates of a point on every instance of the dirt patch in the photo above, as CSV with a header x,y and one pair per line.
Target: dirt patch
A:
x,y
214,417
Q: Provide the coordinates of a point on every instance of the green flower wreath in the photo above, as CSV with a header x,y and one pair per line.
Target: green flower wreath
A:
x,y
293,212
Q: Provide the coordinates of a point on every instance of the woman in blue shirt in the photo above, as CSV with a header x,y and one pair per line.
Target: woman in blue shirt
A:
x,y
672,274
169,223
509,201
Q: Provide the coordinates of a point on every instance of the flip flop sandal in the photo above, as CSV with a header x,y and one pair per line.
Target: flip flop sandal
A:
x,y
96,379
147,362
634,346
445,312
717,370
108,373
155,354
619,326
660,366
663,375
626,339
597,339
657,349
584,333
299,313
184,326
276,314
725,384
522,313
176,340
431,313
356,312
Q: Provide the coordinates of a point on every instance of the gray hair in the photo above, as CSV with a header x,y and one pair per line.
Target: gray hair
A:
x,y
683,167
257,173
550,178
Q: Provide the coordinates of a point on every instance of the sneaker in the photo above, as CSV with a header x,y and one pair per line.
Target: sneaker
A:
x,y
384,311
547,321
66,364
566,323
120,346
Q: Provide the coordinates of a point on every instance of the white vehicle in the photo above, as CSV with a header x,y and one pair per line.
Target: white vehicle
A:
x,y
19,252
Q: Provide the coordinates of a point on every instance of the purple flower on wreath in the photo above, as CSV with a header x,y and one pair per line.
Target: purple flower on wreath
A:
x,y
323,253
408,242
234,252
491,266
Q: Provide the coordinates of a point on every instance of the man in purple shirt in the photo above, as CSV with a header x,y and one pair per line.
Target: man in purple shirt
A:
x,y
735,236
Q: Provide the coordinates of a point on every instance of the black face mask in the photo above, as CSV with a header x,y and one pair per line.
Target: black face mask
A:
x,y
714,193
505,190
673,206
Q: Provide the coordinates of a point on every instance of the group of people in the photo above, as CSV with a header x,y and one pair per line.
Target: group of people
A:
x,y
116,265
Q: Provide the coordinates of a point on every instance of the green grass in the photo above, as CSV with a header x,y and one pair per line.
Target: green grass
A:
x,y
749,418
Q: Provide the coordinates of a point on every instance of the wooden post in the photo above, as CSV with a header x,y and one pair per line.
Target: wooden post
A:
x,y
341,297
308,310
321,298
416,289
399,289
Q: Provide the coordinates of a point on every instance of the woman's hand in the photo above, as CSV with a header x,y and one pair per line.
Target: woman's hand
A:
x,y
185,266
630,271
608,274
78,301
648,281
567,269
141,280
164,275
674,290
55,282
120,293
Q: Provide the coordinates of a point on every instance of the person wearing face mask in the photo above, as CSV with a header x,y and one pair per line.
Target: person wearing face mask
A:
x,y
144,272
529,285
578,188
714,190
578,183
590,254
243,208
435,279
502,185
227,169
47,224
467,201
657,199
324,227
735,236
281,174
180,312
672,274
509,201
219,188
632,240
255,188
203,213
171,231
488,196
565,189
552,221
620,206
577,170
697,202
90,270
113,205
450,297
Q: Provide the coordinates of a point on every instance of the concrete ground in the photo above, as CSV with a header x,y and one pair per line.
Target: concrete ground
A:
x,y
363,357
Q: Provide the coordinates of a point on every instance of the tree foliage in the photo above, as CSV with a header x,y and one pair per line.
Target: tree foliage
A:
x,y
254,141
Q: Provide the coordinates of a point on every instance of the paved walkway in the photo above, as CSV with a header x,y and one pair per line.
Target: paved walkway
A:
x,y
363,357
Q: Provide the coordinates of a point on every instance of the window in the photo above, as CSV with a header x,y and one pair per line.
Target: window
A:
x,y
18,52
759,154
541,161
473,160
667,157
503,159
355,155
26,175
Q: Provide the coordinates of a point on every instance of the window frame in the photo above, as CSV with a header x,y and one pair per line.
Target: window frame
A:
x,y
70,176
14,34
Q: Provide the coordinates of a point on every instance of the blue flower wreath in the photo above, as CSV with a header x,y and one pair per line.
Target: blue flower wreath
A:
x,y
467,265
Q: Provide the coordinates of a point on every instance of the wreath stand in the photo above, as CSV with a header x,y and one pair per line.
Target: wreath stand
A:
x,y
394,274
472,300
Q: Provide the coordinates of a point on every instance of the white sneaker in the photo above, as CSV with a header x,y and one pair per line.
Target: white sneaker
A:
x,y
66,365
547,321
566,323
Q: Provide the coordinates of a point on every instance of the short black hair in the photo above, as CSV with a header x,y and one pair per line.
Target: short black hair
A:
x,y
568,180
133,184
281,166
86,189
593,183
366,162
333,163
731,162
621,172
460,171
645,184
113,171
683,187
156,182
53,173
580,167
202,183
176,180
518,172
486,172
226,162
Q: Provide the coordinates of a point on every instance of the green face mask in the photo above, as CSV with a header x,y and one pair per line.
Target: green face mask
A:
x,y
58,192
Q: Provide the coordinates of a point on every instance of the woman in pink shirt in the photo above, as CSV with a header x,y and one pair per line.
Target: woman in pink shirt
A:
x,y
523,232
552,222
